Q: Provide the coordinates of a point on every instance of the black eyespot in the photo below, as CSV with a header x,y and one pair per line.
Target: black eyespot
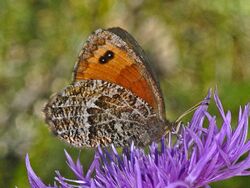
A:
x,y
109,54
106,57
103,60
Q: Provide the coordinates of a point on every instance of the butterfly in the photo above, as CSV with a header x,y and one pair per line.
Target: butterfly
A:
x,y
114,98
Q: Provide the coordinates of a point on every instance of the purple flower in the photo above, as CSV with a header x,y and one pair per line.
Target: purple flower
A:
x,y
204,152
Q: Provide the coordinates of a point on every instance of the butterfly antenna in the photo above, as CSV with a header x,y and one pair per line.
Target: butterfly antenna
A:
x,y
193,108
178,122
174,127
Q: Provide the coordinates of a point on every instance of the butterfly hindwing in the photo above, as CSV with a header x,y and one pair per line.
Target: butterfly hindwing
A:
x,y
92,112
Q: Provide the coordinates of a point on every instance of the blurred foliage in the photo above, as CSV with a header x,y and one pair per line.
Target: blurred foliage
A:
x,y
194,45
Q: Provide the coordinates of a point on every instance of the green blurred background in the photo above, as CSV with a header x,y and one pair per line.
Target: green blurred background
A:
x,y
194,45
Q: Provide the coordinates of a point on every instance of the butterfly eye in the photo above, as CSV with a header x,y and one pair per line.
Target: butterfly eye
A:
x,y
106,57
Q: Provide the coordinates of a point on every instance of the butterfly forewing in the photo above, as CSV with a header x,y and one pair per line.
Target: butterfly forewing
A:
x,y
114,55
92,112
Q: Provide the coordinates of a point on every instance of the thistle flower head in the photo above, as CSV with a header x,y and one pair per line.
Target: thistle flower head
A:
x,y
201,155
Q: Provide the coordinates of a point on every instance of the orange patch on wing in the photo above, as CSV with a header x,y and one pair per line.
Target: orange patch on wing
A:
x,y
121,70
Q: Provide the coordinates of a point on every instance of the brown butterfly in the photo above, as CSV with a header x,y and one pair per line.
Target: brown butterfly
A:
x,y
114,98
